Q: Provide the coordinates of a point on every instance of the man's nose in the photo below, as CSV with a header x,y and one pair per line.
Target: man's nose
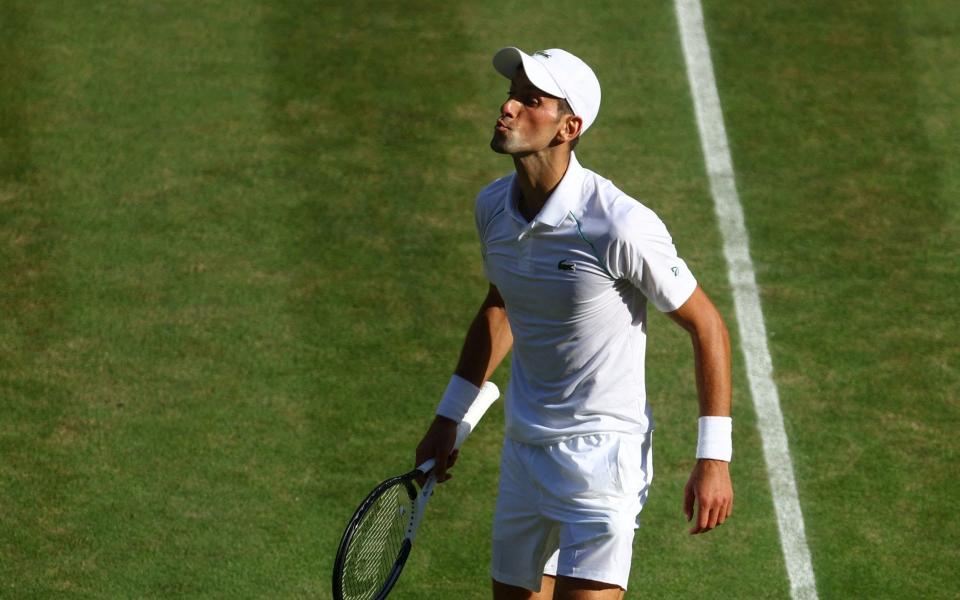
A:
x,y
509,108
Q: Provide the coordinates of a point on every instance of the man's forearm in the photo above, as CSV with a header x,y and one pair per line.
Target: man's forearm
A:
x,y
488,341
711,347
711,352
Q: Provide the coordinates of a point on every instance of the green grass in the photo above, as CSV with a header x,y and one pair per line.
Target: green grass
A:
x,y
238,261
850,189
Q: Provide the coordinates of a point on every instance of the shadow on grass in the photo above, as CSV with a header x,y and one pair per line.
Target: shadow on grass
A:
x,y
35,469
16,70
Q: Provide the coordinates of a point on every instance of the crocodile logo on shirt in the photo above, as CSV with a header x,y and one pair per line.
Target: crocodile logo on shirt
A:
x,y
566,265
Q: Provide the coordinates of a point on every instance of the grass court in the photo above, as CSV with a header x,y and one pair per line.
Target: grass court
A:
x,y
237,261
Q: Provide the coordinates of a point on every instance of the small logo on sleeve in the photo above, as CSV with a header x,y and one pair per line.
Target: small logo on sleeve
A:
x,y
566,265
676,271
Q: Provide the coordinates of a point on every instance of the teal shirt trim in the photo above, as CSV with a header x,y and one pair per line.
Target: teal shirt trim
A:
x,y
593,248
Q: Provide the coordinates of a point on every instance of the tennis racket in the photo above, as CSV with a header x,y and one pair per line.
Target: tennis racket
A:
x,y
378,539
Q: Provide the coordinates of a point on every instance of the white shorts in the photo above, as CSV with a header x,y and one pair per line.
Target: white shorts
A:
x,y
570,508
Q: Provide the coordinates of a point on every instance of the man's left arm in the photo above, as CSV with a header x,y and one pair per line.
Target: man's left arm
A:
x,y
709,489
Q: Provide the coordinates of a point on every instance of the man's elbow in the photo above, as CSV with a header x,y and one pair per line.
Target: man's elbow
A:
x,y
701,319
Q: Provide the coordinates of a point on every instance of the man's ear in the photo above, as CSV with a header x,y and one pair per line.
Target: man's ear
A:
x,y
570,129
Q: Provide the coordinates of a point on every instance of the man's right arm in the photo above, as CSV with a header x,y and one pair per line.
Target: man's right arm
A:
x,y
487,343
488,340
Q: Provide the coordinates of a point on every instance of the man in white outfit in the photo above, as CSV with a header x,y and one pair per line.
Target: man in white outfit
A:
x,y
572,263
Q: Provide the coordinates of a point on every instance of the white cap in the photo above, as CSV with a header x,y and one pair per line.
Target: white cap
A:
x,y
558,73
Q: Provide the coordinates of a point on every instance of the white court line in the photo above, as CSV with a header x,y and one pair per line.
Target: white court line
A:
x,y
753,334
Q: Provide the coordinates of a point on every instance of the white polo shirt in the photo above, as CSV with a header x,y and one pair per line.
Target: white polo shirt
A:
x,y
576,281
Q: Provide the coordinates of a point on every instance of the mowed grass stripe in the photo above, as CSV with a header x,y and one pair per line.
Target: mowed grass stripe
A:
x,y
31,399
379,110
175,446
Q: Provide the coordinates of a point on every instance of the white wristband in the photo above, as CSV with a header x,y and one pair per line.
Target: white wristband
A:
x,y
458,398
715,438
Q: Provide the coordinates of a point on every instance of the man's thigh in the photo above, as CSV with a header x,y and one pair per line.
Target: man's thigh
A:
x,y
559,588
571,588
504,591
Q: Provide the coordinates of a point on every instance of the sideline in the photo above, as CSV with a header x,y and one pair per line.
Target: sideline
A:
x,y
753,333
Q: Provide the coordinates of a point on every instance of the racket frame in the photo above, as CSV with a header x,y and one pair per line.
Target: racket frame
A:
x,y
488,395
407,481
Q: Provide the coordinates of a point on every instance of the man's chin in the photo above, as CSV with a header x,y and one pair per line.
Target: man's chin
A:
x,y
498,146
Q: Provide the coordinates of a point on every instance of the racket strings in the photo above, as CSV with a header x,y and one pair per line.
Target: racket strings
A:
x,y
376,544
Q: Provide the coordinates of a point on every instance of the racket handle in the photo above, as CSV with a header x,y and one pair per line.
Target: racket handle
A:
x,y
489,393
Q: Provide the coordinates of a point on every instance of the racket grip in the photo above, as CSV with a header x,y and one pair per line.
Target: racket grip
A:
x,y
489,393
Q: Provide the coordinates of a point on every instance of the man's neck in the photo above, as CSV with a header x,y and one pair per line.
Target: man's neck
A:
x,y
538,175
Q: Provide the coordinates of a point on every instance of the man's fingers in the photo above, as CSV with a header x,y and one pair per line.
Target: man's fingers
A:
x,y
702,522
723,513
440,469
703,518
711,515
688,500
443,466
709,489
711,518
438,444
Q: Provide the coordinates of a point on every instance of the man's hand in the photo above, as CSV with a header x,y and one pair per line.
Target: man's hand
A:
x,y
438,444
710,489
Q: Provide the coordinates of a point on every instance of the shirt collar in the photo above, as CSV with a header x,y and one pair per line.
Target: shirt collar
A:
x,y
564,198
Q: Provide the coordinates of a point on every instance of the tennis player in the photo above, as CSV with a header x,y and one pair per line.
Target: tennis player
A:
x,y
573,263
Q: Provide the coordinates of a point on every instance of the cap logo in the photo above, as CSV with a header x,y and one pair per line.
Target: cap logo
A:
x,y
542,53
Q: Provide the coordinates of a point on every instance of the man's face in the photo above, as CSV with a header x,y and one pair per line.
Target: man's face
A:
x,y
529,119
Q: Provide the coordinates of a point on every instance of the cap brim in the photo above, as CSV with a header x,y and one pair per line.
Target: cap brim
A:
x,y
507,60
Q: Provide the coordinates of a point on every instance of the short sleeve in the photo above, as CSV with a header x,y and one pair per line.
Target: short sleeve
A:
x,y
641,251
